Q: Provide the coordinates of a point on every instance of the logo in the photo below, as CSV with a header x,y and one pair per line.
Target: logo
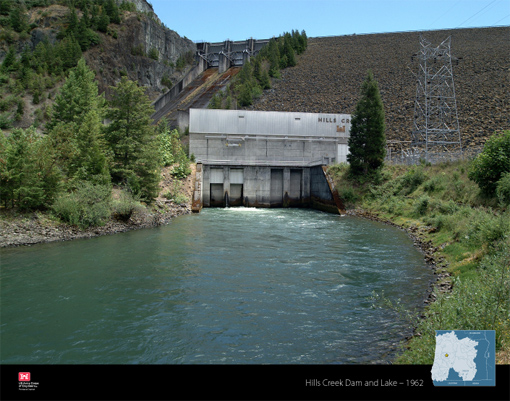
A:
x,y
24,376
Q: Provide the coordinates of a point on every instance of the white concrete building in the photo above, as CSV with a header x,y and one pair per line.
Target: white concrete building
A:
x,y
266,158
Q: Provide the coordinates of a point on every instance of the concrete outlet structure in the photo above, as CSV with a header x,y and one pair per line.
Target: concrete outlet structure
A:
x,y
267,159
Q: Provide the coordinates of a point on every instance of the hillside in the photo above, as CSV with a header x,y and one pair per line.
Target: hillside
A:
x,y
329,75
137,45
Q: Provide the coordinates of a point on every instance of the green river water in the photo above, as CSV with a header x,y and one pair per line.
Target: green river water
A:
x,y
226,286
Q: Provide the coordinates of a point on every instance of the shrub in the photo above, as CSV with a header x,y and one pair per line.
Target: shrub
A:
x,y
154,53
124,205
490,165
503,189
5,121
89,205
421,205
412,179
138,50
175,193
166,81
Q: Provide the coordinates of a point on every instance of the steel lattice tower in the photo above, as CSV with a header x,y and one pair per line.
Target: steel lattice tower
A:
x,y
436,133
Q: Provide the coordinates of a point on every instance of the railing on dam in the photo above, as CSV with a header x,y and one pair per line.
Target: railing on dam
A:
x,y
224,55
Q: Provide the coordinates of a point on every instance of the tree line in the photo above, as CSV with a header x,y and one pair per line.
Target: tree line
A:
x,y
71,169
255,76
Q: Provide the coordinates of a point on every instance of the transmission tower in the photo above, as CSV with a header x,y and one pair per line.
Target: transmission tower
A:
x,y
435,134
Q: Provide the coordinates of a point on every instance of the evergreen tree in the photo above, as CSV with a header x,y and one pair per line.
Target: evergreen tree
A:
x,y
136,155
72,23
78,96
76,129
69,52
29,175
288,51
112,10
18,18
9,63
102,22
274,58
245,95
367,142
91,160
265,82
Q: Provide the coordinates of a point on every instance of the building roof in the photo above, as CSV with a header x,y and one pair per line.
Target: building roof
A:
x,y
269,123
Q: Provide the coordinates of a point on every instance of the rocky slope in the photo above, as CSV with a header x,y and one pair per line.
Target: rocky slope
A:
x,y
117,56
329,75
140,47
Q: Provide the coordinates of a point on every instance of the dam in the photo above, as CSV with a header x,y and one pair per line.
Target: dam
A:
x,y
266,159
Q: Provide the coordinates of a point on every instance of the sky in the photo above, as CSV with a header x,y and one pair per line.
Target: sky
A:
x,y
219,20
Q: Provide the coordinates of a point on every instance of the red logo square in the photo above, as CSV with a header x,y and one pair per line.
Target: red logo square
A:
x,y
24,376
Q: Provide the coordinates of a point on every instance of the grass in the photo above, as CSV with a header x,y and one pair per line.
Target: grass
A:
x,y
471,233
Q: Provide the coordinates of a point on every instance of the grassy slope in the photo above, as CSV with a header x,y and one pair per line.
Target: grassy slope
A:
x,y
469,233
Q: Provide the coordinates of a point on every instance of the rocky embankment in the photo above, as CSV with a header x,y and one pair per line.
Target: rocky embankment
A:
x,y
329,75
16,230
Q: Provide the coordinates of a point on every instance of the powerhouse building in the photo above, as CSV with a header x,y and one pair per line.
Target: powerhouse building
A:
x,y
265,158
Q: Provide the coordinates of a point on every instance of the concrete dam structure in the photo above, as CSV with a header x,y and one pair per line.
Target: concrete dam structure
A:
x,y
216,64
266,159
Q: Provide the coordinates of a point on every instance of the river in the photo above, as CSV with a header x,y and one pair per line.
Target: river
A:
x,y
226,286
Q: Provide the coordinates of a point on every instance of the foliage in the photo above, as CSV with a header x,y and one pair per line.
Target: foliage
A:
x,y
67,170
367,140
166,81
490,165
154,53
172,152
255,76
175,193
29,176
79,95
124,204
481,302
136,157
88,205
471,235
75,128
503,189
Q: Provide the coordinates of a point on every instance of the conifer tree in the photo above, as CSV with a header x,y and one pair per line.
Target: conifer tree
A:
x,y
76,129
29,176
136,156
367,142
78,96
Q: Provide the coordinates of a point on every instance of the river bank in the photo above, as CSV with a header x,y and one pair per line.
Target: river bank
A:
x,y
32,228
431,253
465,238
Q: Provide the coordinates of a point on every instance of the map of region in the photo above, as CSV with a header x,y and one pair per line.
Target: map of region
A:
x,y
465,358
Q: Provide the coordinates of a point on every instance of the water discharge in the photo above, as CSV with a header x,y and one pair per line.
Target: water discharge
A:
x,y
226,286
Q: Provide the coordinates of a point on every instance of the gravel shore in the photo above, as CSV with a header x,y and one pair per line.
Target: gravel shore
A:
x,y
34,228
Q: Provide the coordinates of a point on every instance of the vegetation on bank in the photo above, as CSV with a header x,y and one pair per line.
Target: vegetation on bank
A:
x,y
463,209
71,169
256,74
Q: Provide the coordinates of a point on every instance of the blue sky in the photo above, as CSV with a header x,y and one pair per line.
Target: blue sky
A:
x,y
218,20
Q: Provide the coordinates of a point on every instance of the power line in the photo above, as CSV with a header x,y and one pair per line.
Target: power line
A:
x,y
493,1
451,8
497,22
